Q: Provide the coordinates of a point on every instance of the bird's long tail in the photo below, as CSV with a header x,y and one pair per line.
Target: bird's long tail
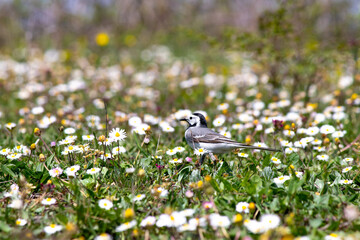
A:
x,y
259,148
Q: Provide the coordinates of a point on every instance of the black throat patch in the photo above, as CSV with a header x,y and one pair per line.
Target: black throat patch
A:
x,y
203,122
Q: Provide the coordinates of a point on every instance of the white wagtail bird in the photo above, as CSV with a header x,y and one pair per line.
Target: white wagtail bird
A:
x,y
198,135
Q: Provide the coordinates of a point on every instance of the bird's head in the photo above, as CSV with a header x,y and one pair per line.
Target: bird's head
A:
x,y
195,120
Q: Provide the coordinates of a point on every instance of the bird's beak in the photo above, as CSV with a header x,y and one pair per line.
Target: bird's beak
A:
x,y
183,119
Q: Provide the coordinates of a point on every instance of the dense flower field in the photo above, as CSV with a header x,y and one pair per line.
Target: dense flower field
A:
x,y
93,149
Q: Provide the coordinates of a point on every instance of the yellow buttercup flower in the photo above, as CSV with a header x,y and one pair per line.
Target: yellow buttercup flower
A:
x,y
102,39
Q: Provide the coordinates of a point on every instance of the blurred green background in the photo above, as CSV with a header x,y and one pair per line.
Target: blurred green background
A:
x,y
309,42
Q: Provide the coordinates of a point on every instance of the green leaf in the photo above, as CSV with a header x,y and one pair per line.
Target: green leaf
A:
x,y
315,223
39,167
215,185
224,167
7,170
5,227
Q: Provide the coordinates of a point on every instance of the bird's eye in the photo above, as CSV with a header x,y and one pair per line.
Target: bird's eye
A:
x,y
191,118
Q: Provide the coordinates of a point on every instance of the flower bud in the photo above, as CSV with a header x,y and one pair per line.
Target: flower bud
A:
x,y
207,178
252,206
237,218
141,172
33,146
42,158
129,213
248,139
102,138
37,131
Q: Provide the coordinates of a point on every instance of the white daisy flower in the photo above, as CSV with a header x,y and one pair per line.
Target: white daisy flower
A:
x,y
55,172
179,149
48,201
16,204
176,160
327,129
126,226
259,144
71,171
312,131
103,236
280,180
319,149
290,150
69,130
219,121
316,142
5,151
88,137
217,221
117,134
346,181
338,134
53,228
148,221
200,151
139,197
21,222
289,133
171,152
332,236
322,157
275,160
242,207
244,155
270,221
348,159
93,171
117,150
105,204
175,219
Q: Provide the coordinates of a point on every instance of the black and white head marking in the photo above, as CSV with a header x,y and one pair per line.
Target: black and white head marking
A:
x,y
201,121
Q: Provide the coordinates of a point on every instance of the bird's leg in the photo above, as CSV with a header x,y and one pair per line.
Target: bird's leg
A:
x,y
212,157
202,159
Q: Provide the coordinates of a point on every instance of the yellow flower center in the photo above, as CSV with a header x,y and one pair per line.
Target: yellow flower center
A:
x,y
243,207
138,196
172,218
18,222
201,150
72,169
53,225
117,134
281,178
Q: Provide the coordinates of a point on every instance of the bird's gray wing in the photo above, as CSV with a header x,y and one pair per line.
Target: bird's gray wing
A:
x,y
206,135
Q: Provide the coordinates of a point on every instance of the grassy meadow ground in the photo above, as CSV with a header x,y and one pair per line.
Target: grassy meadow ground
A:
x,y
68,170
